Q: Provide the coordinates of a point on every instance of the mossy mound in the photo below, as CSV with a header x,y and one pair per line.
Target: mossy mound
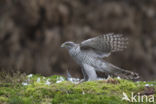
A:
x,y
36,89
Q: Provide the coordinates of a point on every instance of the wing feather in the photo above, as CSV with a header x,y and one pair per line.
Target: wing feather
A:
x,y
103,45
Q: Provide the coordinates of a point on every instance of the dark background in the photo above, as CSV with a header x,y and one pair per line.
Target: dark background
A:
x,y
31,32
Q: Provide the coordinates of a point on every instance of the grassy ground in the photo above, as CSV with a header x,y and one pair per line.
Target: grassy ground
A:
x,y
35,89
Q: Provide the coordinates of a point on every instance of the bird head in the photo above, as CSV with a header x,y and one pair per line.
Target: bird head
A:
x,y
68,45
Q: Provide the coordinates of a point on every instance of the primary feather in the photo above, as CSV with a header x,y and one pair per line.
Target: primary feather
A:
x,y
103,45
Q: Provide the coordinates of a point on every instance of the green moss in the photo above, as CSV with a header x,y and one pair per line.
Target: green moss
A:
x,y
85,99
3,100
6,91
20,100
37,91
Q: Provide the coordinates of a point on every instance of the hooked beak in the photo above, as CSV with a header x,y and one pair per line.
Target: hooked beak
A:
x,y
62,45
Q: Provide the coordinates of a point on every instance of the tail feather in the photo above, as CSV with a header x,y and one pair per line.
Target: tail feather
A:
x,y
108,68
122,73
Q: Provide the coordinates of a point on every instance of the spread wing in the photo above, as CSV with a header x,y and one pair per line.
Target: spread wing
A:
x,y
102,46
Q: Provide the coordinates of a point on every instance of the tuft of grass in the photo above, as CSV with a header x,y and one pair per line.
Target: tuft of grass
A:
x,y
8,78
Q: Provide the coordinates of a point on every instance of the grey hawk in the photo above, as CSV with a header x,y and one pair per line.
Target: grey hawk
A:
x,y
89,55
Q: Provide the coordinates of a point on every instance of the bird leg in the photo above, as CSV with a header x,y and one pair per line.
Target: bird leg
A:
x,y
84,75
90,71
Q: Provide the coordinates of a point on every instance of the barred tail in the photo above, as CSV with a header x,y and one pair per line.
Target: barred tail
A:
x,y
122,73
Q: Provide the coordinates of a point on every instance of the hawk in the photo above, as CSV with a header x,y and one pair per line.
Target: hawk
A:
x,y
89,55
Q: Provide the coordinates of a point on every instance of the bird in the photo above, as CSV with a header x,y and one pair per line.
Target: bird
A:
x,y
90,54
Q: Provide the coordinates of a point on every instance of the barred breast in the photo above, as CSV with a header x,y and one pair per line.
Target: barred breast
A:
x,y
80,57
